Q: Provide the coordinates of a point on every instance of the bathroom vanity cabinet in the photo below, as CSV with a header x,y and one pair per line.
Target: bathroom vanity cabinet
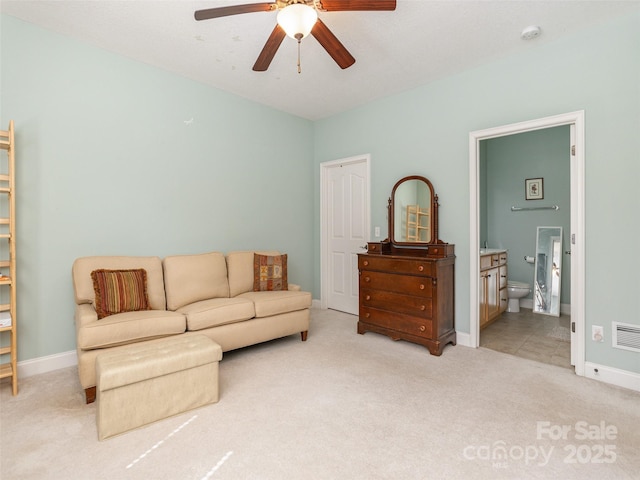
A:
x,y
493,286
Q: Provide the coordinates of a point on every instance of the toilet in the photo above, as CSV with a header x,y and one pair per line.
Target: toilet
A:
x,y
516,291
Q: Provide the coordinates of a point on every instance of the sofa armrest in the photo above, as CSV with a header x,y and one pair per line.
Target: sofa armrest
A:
x,y
85,313
294,288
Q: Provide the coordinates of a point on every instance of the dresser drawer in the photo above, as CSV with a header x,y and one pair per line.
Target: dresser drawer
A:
x,y
503,276
411,305
378,248
503,299
420,327
406,284
395,265
494,260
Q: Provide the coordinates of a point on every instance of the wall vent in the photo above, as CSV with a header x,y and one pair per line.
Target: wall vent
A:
x,y
626,336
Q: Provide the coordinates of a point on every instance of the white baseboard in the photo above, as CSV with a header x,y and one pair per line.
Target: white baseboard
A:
x,y
463,339
46,364
565,308
526,303
614,376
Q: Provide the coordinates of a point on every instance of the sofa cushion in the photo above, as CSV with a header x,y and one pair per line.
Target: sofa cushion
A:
x,y
217,311
240,266
129,327
191,278
273,303
120,291
269,272
83,284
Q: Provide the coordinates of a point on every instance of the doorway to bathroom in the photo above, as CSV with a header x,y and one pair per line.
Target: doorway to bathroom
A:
x,y
505,216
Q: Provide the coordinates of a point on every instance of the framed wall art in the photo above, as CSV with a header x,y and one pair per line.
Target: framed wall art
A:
x,y
533,188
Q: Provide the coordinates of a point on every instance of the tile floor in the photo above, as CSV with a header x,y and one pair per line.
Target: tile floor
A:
x,y
536,337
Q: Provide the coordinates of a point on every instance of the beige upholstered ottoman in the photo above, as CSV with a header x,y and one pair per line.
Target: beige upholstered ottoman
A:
x,y
145,382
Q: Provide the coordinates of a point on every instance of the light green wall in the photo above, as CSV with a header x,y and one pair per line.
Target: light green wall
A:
x,y
117,157
509,161
108,165
425,131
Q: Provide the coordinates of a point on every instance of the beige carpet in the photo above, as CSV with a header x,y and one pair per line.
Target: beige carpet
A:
x,y
341,406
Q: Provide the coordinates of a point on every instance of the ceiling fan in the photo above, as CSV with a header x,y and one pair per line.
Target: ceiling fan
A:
x,y
297,19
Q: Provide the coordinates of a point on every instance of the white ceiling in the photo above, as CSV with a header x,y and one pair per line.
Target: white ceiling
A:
x,y
421,41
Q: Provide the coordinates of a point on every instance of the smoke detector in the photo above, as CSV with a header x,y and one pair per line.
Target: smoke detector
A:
x,y
531,32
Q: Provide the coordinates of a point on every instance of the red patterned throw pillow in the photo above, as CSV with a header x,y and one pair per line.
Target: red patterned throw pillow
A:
x,y
269,272
120,291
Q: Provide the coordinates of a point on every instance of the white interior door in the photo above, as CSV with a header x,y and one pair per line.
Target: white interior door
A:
x,y
346,229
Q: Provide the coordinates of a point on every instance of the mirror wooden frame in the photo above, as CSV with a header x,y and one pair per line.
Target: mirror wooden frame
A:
x,y
433,217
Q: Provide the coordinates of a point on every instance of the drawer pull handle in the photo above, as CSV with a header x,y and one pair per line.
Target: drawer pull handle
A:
x,y
422,328
367,315
366,263
367,279
421,287
423,308
368,297
420,268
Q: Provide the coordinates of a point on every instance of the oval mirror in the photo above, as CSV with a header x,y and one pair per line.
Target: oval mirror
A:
x,y
413,211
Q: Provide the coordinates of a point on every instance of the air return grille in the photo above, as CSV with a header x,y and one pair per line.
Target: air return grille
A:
x,y
626,336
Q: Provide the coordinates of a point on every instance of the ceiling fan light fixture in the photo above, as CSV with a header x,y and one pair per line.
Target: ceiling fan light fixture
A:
x,y
297,20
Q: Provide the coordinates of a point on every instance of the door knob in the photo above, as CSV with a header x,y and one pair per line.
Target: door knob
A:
x,y
363,247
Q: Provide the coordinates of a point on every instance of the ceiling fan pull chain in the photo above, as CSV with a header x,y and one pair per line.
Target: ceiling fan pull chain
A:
x,y
299,69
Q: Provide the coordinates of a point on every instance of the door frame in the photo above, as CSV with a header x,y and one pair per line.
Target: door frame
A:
x,y
577,238
324,214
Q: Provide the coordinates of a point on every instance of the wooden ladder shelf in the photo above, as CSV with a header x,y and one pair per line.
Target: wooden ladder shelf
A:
x,y
8,326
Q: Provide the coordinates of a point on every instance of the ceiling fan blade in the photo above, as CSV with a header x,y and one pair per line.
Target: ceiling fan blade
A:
x,y
234,10
269,50
344,5
332,45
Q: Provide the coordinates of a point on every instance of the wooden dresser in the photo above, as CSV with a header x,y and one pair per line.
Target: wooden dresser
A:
x,y
408,296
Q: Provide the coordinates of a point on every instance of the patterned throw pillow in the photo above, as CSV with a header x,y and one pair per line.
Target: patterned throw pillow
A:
x,y
269,272
120,291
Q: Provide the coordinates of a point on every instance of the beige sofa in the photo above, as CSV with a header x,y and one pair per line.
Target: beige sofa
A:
x,y
210,294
